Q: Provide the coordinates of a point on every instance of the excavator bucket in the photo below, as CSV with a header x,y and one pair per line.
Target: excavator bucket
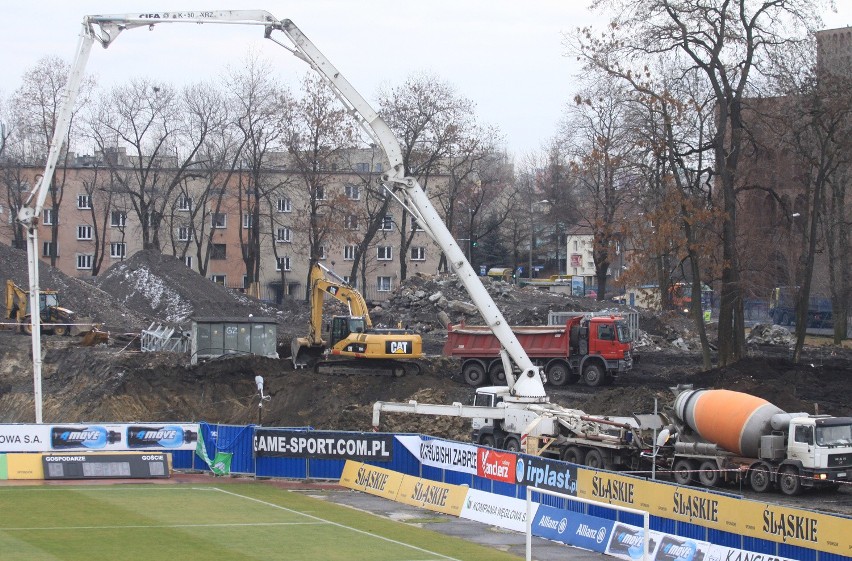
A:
x,y
303,353
82,326
94,337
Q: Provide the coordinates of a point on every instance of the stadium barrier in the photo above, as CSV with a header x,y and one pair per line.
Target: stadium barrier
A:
x,y
722,520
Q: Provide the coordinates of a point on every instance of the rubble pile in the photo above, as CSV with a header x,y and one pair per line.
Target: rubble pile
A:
x,y
765,334
428,303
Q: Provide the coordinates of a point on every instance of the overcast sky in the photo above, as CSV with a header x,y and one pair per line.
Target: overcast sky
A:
x,y
506,56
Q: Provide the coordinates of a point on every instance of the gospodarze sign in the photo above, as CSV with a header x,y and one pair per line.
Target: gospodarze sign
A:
x,y
323,445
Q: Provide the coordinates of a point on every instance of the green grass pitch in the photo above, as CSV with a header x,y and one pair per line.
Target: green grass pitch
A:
x,y
232,522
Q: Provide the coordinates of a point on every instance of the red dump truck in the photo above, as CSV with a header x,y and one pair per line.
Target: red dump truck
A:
x,y
596,348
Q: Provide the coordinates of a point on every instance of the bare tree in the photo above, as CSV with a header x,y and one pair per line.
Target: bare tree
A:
x,y
261,109
149,134
320,132
35,106
726,42
431,121
597,126
815,123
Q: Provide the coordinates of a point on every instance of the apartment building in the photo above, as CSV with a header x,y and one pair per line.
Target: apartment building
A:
x,y
214,221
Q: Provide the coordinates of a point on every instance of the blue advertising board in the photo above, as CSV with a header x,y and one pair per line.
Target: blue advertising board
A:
x,y
572,528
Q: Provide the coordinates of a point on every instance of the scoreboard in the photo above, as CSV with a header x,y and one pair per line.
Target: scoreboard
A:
x,y
131,465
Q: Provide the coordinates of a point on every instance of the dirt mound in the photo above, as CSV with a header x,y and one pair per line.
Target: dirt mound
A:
x,y
161,288
78,295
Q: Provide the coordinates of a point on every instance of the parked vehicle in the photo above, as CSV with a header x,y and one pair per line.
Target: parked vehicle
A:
x,y
54,318
725,436
783,304
352,345
594,348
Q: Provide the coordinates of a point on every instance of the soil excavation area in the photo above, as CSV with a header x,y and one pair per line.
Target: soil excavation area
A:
x,y
116,382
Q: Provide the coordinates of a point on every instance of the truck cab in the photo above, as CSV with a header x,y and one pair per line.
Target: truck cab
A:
x,y
822,445
601,348
483,429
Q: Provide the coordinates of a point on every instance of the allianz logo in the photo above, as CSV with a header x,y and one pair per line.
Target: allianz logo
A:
x,y
598,535
553,524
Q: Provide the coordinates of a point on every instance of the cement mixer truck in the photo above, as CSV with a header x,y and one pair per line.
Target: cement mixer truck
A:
x,y
725,436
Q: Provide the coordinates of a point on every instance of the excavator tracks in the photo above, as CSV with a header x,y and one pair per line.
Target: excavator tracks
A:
x,y
371,367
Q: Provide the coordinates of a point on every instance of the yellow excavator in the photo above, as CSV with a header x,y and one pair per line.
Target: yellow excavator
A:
x,y
354,345
54,318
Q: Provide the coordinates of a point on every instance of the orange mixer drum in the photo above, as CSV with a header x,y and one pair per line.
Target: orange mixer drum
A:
x,y
733,420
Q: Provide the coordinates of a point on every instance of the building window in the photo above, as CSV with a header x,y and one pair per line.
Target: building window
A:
x,y
362,167
84,261
218,279
184,234
349,253
84,202
351,222
47,217
118,250
319,193
184,203
283,264
117,219
188,261
219,220
284,205
415,227
48,249
248,221
283,235
384,253
378,168
321,253
353,192
383,284
219,251
418,253
84,232
350,282
387,222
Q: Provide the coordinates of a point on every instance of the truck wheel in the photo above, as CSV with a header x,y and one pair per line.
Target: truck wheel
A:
x,y
497,375
594,459
758,479
574,455
512,444
683,472
27,328
789,481
60,330
594,376
708,474
473,374
558,373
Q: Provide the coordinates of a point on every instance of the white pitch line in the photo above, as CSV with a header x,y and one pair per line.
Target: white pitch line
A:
x,y
142,526
403,544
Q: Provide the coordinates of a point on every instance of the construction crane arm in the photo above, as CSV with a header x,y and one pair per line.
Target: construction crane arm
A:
x,y
105,29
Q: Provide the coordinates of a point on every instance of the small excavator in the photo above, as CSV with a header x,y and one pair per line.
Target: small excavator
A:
x,y
354,345
54,318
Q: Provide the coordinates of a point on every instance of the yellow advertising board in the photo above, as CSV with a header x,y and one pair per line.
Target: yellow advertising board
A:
x,y
371,479
433,495
24,466
748,518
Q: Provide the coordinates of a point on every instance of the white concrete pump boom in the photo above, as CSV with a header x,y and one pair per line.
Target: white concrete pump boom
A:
x,y
104,29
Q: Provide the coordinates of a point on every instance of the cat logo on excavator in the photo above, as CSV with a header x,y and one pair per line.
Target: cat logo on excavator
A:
x,y
398,347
